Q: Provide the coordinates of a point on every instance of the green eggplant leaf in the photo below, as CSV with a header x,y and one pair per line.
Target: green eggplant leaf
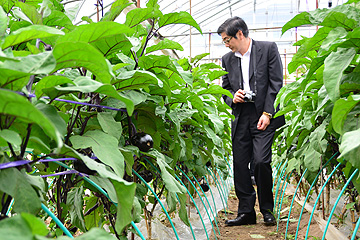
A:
x,y
109,125
25,197
104,146
3,22
151,62
125,195
299,20
313,43
46,86
350,147
183,210
334,38
22,227
339,19
107,37
29,33
58,19
164,44
87,85
7,5
116,8
340,112
42,63
75,202
18,106
95,234
135,80
167,173
30,12
10,136
50,112
317,140
81,54
350,83
312,159
215,89
139,15
178,18
335,64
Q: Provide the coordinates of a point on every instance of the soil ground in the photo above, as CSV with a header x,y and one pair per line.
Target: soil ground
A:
x,y
259,230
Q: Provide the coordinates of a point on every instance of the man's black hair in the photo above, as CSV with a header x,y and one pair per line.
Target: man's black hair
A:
x,y
232,25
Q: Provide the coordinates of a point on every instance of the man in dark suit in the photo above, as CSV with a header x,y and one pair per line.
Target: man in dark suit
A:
x,y
255,76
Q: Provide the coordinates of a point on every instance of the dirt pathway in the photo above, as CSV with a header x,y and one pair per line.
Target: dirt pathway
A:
x,y
260,231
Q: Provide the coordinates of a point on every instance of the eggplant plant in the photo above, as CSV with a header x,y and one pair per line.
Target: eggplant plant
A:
x,y
322,105
75,103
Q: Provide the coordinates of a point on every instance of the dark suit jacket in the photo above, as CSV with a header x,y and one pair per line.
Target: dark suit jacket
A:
x,y
269,79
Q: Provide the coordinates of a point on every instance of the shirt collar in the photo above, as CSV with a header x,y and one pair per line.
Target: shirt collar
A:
x,y
248,52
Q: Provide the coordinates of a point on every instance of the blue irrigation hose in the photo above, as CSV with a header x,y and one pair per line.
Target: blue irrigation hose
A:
x,y
191,228
226,189
318,197
279,180
278,193
275,173
197,209
137,230
211,194
57,221
308,194
207,200
292,202
162,206
219,188
282,197
337,201
207,212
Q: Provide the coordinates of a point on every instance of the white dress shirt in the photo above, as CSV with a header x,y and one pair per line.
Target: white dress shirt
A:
x,y
245,66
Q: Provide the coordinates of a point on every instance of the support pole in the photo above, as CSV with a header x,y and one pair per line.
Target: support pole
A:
x,y
190,29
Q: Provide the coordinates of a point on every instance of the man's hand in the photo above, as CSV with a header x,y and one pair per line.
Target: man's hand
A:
x,y
239,96
264,121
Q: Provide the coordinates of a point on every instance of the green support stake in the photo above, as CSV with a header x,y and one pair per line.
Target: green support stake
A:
x,y
337,201
292,202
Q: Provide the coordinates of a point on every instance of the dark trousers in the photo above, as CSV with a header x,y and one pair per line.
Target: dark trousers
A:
x,y
250,142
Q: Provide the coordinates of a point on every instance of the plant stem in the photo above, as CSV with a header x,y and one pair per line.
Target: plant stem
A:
x,y
23,147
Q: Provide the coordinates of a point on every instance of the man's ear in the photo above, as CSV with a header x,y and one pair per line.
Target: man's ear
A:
x,y
240,34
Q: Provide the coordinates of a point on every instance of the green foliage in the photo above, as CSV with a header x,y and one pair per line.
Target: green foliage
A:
x,y
81,92
322,106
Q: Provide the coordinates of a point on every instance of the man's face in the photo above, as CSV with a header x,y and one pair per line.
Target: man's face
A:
x,y
235,44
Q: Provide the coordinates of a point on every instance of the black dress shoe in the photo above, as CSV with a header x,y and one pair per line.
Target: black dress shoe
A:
x,y
242,219
269,219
